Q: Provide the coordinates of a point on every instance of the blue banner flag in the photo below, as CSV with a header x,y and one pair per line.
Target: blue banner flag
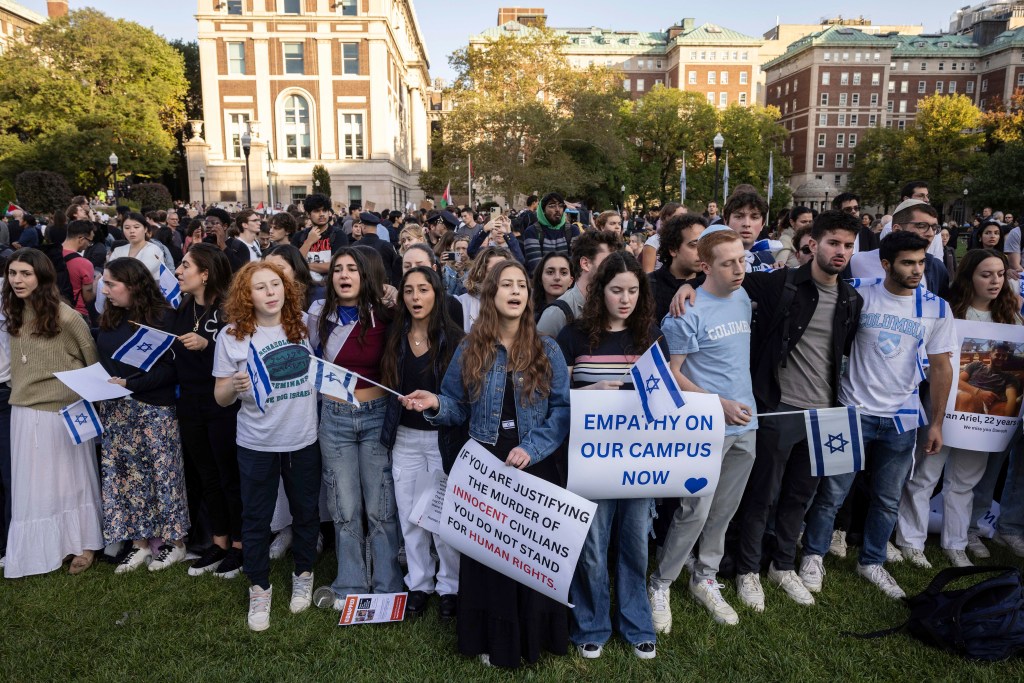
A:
x,y
333,380
259,377
81,421
144,348
834,441
655,385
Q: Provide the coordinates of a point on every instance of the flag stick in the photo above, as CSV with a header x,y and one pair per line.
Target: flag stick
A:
x,y
369,381
798,412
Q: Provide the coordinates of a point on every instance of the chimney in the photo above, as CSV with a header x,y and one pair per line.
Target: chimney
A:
x,y
688,24
55,9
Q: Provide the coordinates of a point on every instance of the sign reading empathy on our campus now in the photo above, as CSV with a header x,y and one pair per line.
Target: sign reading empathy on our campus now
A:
x,y
614,452
513,522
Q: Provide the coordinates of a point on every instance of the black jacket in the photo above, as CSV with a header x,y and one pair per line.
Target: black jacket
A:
x,y
867,239
768,343
663,287
386,251
237,252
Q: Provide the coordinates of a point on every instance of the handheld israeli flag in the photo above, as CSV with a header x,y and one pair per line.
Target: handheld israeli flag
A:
x,y
258,377
725,177
333,380
169,286
834,441
81,421
655,385
144,348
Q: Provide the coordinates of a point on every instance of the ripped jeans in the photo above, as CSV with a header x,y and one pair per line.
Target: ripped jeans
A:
x,y
590,589
357,474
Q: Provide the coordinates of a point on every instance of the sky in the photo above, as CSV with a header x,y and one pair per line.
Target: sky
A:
x,y
446,24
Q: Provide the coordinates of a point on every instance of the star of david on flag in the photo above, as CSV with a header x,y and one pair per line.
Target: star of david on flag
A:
x,y
259,378
834,441
81,421
144,348
169,286
333,380
655,386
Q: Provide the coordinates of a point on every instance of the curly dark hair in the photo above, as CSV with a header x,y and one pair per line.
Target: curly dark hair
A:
x,y
594,319
148,305
671,233
45,300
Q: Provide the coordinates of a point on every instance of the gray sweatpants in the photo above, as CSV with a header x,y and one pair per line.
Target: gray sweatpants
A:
x,y
707,517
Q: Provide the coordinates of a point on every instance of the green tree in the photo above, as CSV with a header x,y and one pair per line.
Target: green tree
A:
x,y
42,191
189,51
151,196
880,168
83,86
943,145
999,180
752,135
322,180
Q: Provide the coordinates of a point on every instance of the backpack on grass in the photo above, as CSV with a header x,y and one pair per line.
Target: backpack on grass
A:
x,y
983,622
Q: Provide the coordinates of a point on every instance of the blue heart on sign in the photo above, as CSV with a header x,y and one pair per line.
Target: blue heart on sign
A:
x,y
693,485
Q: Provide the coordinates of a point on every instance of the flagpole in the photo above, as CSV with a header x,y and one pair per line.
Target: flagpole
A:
x,y
469,184
368,381
798,412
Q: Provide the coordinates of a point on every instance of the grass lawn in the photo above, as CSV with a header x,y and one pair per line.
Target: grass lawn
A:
x,y
170,627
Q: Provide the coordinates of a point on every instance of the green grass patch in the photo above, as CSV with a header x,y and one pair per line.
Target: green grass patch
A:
x,y
169,626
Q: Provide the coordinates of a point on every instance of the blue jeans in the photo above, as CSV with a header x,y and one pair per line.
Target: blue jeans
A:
x,y
590,588
889,462
357,472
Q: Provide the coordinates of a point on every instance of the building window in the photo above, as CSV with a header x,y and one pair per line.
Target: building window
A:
x,y
853,142
291,6
352,136
838,180
723,99
1020,80
854,120
840,140
712,75
693,55
849,160
970,87
842,120
703,55
640,85
826,78
984,85
952,87
786,91
711,98
626,64
892,86
236,59
874,99
843,97
296,127
723,77
952,66
904,87
659,64
822,119
294,62
844,78
876,79
924,66
785,107
355,195
650,64
942,66
921,85
819,160
856,78
238,123
743,56
872,120
938,87
743,98
234,6
350,59
905,66
828,57
349,8
692,78
888,106
903,106
824,99
626,84
901,125
839,161
877,56
712,55
856,56
743,78
855,99
659,81
298,193
795,84
821,139
846,56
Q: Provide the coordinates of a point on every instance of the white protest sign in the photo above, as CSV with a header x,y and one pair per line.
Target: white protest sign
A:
x,y
984,405
429,497
615,453
517,524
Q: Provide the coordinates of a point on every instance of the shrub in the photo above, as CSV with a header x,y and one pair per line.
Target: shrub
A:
x,y
42,192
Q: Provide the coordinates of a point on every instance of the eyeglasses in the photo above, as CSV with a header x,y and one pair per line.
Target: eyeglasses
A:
x,y
923,226
851,209
805,250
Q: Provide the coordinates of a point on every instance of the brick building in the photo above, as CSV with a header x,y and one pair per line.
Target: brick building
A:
x,y
16,20
341,83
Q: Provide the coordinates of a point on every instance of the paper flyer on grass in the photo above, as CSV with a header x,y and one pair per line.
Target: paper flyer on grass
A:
x,y
372,608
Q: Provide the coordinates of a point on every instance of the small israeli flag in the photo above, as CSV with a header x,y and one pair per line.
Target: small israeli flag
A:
x,y
834,441
333,380
259,377
169,286
655,385
144,348
81,421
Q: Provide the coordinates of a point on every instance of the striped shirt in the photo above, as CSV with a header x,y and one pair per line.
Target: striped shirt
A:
x,y
611,360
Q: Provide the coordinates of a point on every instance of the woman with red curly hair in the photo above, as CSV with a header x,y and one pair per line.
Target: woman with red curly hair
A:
x,y
264,314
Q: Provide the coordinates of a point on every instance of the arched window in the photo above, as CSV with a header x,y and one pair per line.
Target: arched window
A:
x,y
296,127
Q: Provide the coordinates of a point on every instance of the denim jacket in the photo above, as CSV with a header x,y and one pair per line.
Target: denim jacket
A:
x,y
543,425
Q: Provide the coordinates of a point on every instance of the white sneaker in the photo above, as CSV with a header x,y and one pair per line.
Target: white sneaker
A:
x,y
976,546
281,543
3,561
1012,541
748,588
876,574
169,554
892,553
838,545
812,572
259,608
916,557
709,593
302,592
135,558
791,584
958,558
661,613
589,650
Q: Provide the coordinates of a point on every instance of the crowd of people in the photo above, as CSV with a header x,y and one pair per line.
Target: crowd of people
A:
x,y
463,326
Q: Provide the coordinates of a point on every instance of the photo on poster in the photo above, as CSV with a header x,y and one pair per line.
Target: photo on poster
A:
x,y
991,374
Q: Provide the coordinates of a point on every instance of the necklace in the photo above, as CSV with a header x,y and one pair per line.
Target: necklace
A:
x,y
198,318
416,341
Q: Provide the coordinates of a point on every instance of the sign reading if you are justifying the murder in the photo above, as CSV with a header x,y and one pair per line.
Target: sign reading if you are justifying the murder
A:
x,y
614,452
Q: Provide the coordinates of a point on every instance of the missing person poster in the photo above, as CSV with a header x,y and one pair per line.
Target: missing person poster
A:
x,y
614,452
517,524
984,407
373,609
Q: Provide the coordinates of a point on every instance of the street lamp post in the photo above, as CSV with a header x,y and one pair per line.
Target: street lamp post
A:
x,y
202,185
270,179
825,205
719,143
623,190
965,206
246,148
113,167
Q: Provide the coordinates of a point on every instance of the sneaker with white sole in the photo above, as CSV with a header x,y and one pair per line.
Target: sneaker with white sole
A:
x,y
259,608
589,650
958,558
1012,541
892,553
169,554
876,574
976,547
915,557
708,592
302,592
208,561
135,558
812,572
838,545
646,650
748,588
231,565
789,582
661,612
281,543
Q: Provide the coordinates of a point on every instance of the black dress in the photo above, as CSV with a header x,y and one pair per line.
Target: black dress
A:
x,y
498,616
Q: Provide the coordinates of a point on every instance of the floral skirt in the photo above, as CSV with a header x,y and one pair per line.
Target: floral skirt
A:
x,y
143,474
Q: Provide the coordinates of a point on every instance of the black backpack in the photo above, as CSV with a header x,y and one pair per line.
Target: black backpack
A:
x,y
60,264
983,622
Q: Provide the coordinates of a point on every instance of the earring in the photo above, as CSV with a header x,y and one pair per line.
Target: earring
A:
x,y
204,282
